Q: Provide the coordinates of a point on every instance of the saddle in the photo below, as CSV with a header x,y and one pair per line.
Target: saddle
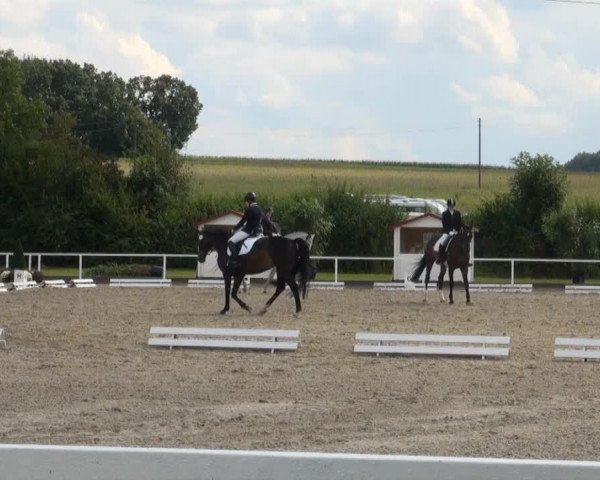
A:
x,y
247,245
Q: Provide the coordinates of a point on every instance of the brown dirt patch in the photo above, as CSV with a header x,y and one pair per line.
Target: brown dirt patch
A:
x,y
78,371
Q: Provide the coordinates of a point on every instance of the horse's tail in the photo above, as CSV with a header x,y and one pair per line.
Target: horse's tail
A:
x,y
303,265
416,273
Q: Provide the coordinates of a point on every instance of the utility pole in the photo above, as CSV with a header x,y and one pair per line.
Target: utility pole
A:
x,y
479,125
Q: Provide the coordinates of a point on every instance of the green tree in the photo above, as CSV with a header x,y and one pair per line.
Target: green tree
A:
x,y
18,258
157,181
584,162
511,224
170,103
105,117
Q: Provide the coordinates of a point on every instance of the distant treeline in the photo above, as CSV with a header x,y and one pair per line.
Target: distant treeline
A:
x,y
584,162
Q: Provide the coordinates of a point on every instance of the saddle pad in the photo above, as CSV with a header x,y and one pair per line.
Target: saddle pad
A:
x,y
247,245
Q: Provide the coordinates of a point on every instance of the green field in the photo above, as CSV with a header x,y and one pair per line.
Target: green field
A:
x,y
275,177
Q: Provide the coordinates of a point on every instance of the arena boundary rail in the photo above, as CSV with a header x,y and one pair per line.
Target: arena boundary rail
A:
x,y
335,259
44,462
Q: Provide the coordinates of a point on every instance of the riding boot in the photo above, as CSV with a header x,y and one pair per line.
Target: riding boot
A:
x,y
232,260
441,255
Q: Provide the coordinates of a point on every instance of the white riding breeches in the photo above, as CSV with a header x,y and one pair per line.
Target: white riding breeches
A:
x,y
237,237
443,240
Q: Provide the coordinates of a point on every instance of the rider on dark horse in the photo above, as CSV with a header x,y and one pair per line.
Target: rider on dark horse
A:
x,y
269,228
451,225
250,225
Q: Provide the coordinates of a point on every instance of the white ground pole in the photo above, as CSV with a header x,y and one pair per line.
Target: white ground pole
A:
x,y
41,462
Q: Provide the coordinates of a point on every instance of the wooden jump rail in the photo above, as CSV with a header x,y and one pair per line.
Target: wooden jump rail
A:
x,y
416,344
232,338
140,282
576,348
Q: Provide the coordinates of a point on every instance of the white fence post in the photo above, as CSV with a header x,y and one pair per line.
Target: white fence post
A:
x,y
164,276
512,272
80,266
335,268
7,260
39,262
29,268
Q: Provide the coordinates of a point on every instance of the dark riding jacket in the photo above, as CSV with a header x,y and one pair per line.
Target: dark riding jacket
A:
x,y
251,222
451,221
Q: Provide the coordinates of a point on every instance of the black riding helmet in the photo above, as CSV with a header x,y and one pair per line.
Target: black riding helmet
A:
x,y
250,197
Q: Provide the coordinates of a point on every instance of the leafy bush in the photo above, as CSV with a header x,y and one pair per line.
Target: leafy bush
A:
x,y
121,270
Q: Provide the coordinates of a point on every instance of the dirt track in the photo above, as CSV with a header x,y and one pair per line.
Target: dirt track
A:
x,y
78,371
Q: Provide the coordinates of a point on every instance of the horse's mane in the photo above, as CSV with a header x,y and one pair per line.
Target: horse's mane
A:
x,y
217,236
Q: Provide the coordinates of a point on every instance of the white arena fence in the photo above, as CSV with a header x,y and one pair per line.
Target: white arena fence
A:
x,y
43,462
335,259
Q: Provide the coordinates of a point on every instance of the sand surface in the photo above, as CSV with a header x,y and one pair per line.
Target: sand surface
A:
x,y
78,371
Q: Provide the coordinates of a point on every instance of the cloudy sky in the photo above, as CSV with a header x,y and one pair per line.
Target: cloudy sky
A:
x,y
386,80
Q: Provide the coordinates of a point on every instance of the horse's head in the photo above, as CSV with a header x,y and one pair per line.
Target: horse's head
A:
x,y
205,245
467,231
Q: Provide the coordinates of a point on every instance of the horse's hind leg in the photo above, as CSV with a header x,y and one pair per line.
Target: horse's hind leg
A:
x,y
234,291
464,271
294,288
427,276
280,288
451,275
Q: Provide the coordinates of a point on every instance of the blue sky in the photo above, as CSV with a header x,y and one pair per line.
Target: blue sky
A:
x,y
401,80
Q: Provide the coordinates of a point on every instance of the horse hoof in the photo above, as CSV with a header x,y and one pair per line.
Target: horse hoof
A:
x,y
223,312
263,311
451,302
469,303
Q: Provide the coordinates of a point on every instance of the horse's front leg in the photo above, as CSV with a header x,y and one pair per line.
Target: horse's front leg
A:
x,y
465,276
440,282
280,288
451,275
237,280
227,280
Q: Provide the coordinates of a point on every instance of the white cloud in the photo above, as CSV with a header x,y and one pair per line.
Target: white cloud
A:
x,y
33,44
139,51
94,23
502,100
24,13
270,74
563,76
468,97
279,92
126,52
510,91
488,24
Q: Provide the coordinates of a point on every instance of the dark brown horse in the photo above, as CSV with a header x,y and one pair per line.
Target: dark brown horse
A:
x,y
289,257
457,257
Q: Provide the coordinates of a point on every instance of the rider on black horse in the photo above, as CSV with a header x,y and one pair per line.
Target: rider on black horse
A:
x,y
451,225
269,228
250,225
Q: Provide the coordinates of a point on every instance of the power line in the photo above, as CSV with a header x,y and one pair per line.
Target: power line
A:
x,y
585,2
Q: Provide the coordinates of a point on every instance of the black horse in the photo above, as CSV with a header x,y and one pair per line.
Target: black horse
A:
x,y
457,256
289,257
